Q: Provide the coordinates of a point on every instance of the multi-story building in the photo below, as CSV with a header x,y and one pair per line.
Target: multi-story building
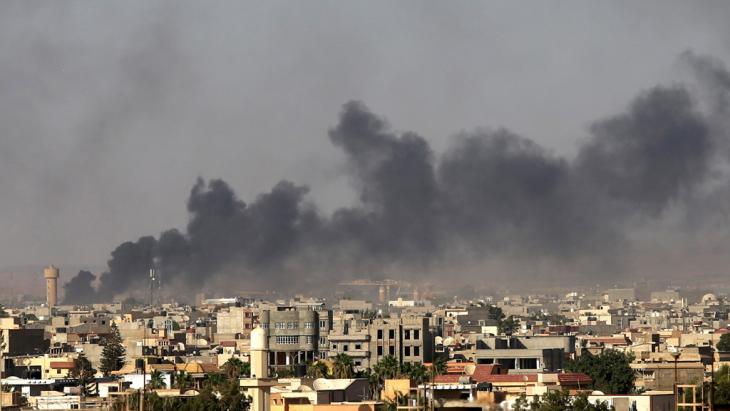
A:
x,y
524,353
349,336
408,339
293,336
235,323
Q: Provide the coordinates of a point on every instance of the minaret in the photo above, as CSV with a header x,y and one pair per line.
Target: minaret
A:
x,y
259,353
259,385
51,275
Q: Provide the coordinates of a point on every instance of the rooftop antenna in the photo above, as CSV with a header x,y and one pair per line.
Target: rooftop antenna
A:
x,y
153,279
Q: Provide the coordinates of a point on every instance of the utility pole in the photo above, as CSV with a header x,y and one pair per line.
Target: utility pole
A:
x,y
712,374
144,368
2,364
675,354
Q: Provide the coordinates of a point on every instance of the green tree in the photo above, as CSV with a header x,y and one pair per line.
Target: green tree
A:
x,y
183,381
508,325
286,372
112,356
399,399
156,380
581,403
235,368
84,373
232,399
724,343
317,369
438,366
559,401
495,313
216,380
415,372
387,368
342,366
611,370
722,385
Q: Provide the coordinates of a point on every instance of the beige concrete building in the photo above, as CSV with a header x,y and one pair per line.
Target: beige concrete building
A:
x,y
408,339
234,323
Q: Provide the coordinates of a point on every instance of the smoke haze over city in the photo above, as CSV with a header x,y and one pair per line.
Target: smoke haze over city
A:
x,y
393,141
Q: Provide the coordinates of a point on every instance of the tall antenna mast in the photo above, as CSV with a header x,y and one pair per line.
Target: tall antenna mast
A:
x,y
152,286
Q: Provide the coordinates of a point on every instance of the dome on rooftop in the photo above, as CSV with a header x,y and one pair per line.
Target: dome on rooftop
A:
x,y
708,298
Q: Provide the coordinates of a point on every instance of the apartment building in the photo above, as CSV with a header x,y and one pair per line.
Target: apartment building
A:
x,y
235,323
293,336
533,353
408,339
349,336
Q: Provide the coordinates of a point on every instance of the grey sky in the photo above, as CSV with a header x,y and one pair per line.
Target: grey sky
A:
x,y
109,111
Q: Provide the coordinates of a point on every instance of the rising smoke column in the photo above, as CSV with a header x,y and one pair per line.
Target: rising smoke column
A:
x,y
79,290
651,155
492,193
394,176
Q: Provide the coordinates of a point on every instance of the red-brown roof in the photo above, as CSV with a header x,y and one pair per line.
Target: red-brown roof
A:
x,y
63,365
574,378
453,367
483,371
228,343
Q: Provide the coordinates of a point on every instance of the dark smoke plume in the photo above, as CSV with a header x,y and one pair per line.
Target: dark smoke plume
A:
x,y
79,290
491,194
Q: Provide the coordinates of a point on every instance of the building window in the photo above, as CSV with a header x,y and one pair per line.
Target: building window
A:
x,y
391,350
287,339
265,326
380,350
334,346
380,334
407,351
391,334
322,341
345,347
292,326
308,325
358,346
407,334
417,351
279,326
308,339
322,323
415,334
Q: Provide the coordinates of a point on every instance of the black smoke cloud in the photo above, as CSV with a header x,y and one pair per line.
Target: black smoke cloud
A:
x,y
79,289
492,193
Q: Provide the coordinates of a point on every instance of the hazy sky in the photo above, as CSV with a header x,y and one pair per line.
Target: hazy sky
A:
x,y
110,110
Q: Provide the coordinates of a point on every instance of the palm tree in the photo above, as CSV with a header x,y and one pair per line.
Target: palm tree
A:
x,y
183,381
417,373
387,368
235,368
156,381
215,380
398,399
342,366
438,366
317,369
